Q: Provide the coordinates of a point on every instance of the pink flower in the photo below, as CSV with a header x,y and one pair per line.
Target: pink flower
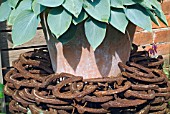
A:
x,y
153,49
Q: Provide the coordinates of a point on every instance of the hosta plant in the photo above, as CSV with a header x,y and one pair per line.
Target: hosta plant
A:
x,y
84,37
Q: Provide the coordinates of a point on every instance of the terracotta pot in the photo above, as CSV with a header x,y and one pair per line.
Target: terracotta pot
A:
x,y
77,57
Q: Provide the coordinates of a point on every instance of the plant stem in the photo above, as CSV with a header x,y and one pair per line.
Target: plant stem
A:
x,y
50,40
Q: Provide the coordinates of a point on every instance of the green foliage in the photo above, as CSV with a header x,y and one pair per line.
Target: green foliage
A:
x,y
73,6
1,91
5,10
117,16
95,35
138,15
99,9
68,35
167,72
59,21
50,3
24,5
37,8
95,14
13,3
24,27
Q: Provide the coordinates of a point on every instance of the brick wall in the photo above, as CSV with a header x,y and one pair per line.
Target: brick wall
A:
x,y
161,35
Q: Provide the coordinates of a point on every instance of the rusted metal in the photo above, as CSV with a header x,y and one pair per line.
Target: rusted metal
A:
x,y
145,110
22,95
140,59
65,95
12,107
158,100
21,108
28,94
106,79
144,87
159,112
42,65
16,97
159,108
136,72
159,62
160,73
7,90
62,112
82,110
18,65
52,111
136,94
138,53
52,77
123,103
166,95
42,99
153,80
66,107
115,91
133,64
96,99
140,88
36,110
134,50
70,95
73,87
163,90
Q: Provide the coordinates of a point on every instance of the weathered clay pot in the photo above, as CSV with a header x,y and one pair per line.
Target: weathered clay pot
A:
x,y
77,57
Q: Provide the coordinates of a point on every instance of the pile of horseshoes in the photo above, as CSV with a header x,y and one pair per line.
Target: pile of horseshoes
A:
x,y
141,88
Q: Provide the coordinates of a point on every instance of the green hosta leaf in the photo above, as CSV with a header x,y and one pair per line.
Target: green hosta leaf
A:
x,y
158,11
153,17
98,9
161,16
156,4
5,10
146,4
138,15
73,6
68,35
24,27
95,32
117,3
37,8
24,5
59,21
131,2
80,18
13,3
50,3
118,19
